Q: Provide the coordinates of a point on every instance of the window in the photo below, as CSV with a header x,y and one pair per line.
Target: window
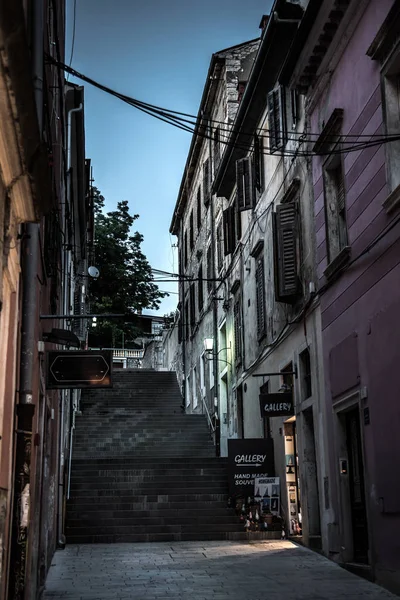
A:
x,y
191,232
220,243
335,207
209,269
385,49
200,288
192,296
245,186
216,149
285,252
305,373
238,327
206,182
232,227
258,163
199,208
276,118
260,297
188,389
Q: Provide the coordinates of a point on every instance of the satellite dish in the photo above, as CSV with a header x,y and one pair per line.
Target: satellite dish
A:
x,y
93,272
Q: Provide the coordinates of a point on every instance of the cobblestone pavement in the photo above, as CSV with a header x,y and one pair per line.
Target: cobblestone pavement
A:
x,y
202,571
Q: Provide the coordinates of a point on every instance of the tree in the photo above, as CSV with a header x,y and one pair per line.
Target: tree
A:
x,y
125,283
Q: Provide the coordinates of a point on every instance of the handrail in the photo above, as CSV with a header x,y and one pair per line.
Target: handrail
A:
x,y
207,411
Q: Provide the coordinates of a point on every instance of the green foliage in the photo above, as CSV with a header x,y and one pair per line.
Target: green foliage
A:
x,y
125,283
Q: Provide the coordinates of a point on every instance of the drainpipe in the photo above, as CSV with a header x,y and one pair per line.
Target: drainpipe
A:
x,y
183,322
25,407
215,306
66,305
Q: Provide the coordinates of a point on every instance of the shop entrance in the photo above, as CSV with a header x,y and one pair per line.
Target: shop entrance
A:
x,y
356,485
294,519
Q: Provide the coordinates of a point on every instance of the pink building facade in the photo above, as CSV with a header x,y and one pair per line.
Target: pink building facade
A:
x,y
349,70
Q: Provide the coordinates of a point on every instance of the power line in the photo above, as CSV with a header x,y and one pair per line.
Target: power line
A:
x,y
169,116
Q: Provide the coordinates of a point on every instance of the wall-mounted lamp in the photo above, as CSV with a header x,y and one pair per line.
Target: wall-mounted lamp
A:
x,y
208,344
209,354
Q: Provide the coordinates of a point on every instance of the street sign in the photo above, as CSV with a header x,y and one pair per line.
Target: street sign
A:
x,y
247,459
276,405
79,369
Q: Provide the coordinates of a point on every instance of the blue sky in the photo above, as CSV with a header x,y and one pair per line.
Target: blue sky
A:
x,y
157,51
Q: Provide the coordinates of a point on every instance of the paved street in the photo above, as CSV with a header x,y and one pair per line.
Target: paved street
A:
x,y
202,571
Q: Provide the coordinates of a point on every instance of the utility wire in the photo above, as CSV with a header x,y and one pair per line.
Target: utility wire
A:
x,y
169,116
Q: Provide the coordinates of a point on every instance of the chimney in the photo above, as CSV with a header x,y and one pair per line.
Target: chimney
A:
x,y
263,23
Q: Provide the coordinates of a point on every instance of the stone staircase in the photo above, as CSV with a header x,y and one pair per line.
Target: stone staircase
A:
x,y
142,470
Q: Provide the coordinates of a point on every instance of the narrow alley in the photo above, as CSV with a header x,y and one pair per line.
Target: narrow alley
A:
x,y
215,570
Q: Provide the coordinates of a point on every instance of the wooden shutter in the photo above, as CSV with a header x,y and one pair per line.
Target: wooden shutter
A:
x,y
238,220
228,217
209,270
200,288
237,318
206,182
258,163
245,187
192,296
219,246
216,149
339,184
276,118
260,296
285,250
198,208
191,232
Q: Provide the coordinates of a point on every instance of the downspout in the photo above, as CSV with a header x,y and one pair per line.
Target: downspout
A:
x,y
215,306
183,322
66,303
26,407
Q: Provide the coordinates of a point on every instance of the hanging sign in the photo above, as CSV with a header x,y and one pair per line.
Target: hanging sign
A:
x,y
79,369
247,459
276,405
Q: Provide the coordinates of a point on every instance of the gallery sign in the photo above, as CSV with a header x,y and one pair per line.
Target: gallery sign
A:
x,y
248,459
276,405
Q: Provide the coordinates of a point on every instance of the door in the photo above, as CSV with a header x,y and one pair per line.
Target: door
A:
x,y
357,488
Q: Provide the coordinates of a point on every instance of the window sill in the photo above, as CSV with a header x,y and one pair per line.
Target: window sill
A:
x,y
392,201
338,262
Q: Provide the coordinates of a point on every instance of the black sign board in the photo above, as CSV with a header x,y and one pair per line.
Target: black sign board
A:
x,y
247,459
276,405
79,369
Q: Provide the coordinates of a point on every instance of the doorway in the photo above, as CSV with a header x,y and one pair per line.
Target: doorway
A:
x,y
356,486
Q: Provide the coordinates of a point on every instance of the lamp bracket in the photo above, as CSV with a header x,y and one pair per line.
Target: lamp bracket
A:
x,y
295,373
